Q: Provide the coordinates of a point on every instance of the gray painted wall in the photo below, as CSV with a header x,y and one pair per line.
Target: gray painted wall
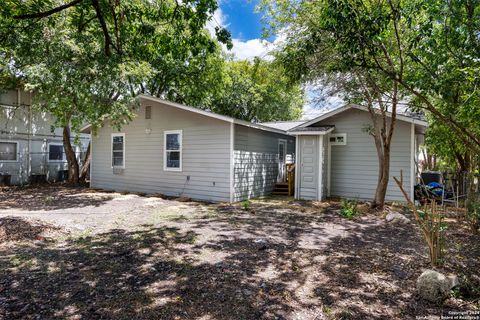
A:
x,y
206,155
354,167
256,161
32,130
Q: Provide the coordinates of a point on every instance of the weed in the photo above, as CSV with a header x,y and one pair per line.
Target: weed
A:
x,y
246,205
349,208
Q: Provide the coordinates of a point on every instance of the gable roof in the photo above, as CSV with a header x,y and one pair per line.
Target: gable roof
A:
x,y
401,117
206,114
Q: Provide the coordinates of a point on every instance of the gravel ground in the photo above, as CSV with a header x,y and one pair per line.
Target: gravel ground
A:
x,y
86,254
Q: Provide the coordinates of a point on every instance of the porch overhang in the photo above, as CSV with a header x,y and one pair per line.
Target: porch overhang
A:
x,y
311,131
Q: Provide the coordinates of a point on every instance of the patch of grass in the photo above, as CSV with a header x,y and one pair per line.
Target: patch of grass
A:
x,y
349,208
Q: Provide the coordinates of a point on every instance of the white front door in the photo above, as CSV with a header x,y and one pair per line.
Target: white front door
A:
x,y
282,155
308,171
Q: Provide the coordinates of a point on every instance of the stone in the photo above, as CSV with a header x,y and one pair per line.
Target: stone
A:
x,y
433,286
454,282
395,217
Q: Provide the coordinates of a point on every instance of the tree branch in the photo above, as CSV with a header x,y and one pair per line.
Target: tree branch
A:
x,y
47,13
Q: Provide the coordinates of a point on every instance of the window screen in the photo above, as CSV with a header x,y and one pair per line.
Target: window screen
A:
x,y
118,151
8,151
173,150
55,152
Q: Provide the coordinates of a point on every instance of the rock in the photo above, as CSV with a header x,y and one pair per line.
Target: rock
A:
x,y
433,286
247,292
395,217
261,244
454,282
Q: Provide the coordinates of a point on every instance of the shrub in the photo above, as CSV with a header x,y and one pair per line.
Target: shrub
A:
x,y
349,208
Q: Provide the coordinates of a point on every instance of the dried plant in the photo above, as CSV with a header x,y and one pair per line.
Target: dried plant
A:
x,y
431,223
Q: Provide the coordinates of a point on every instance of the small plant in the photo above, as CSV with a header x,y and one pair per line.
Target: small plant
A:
x,y
246,205
349,208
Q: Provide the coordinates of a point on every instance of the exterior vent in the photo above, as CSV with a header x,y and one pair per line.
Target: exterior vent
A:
x,y
148,112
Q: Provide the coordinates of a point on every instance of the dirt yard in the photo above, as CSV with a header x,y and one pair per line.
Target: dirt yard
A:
x,y
82,254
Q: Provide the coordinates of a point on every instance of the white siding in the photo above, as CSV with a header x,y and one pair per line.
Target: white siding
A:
x,y
205,171
354,167
256,161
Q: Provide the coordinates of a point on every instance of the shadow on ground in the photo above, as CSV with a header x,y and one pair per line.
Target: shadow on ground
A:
x,y
270,263
48,197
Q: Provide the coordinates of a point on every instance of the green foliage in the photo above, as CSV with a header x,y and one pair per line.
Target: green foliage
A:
x,y
349,208
246,204
87,62
258,91
473,212
430,49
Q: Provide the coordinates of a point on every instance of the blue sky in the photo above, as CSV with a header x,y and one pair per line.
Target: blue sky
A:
x,y
241,19
243,22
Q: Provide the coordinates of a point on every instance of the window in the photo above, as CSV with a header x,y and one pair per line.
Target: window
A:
x,y
173,151
55,152
118,150
8,151
338,139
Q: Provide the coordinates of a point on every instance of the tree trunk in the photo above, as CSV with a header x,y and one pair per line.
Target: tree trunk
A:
x,y
73,170
86,165
383,177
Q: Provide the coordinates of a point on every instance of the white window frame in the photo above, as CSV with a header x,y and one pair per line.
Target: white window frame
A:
x,y
336,143
16,154
111,150
64,157
165,133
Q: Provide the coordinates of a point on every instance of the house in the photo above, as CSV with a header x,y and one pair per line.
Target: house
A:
x,y
177,150
336,155
31,148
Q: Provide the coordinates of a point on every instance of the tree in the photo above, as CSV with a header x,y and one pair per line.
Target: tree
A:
x,y
313,54
258,91
87,59
419,46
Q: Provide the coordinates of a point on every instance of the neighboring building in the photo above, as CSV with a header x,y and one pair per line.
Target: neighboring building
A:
x,y
176,150
31,148
336,155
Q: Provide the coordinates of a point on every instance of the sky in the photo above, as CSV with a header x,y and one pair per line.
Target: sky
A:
x,y
246,27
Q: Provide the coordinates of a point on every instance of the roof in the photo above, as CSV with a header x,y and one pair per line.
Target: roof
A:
x,y
207,114
402,117
283,125
321,130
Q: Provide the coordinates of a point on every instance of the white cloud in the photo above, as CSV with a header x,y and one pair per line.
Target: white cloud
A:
x,y
242,50
251,48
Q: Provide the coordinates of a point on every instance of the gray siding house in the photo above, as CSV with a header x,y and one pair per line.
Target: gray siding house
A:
x,y
178,150
31,148
336,156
